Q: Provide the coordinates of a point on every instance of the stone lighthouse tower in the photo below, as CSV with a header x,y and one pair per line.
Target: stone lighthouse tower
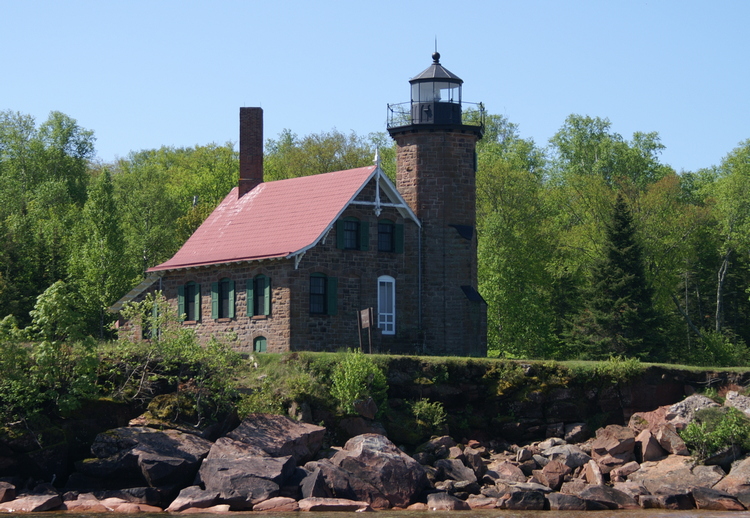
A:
x,y
436,175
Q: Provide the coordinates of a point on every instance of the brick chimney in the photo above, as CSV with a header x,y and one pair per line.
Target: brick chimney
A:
x,y
251,149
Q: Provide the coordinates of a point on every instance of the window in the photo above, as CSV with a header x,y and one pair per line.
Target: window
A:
x,y
259,344
189,301
385,236
352,234
222,299
258,296
390,236
387,304
323,294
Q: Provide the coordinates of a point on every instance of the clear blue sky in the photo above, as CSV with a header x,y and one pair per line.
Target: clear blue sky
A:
x,y
142,74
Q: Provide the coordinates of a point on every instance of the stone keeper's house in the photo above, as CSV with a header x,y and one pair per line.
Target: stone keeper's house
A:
x,y
288,265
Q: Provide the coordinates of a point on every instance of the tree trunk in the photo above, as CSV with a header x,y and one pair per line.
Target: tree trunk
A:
x,y
722,276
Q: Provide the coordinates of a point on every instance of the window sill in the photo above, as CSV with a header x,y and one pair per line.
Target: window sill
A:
x,y
190,322
259,317
221,320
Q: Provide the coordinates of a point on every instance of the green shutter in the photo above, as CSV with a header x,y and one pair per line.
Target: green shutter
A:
x,y
231,299
180,302
198,302
398,239
331,293
214,300
249,297
266,295
340,234
364,235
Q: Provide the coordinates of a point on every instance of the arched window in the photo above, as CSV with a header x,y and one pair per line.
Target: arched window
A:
x,y
260,344
222,299
387,304
189,301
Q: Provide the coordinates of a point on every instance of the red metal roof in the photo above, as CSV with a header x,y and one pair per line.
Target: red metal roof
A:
x,y
275,219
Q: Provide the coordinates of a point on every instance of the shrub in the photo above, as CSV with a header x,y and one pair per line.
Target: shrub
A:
x,y
430,415
618,369
715,430
355,378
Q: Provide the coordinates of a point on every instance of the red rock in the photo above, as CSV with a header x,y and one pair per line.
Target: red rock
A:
x,y
670,440
278,504
647,447
31,504
714,500
332,504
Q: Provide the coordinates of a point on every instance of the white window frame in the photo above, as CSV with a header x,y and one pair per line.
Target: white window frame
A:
x,y
387,319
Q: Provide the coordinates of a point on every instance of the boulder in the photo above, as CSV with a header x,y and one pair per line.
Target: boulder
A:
x,y
506,471
674,474
641,421
736,400
670,440
474,460
376,460
523,501
280,436
481,502
332,504
647,448
737,482
162,457
193,497
577,432
454,469
216,509
613,447
7,491
682,413
243,482
677,501
622,472
715,500
609,496
569,454
553,474
31,504
278,504
338,482
565,502
445,502
593,473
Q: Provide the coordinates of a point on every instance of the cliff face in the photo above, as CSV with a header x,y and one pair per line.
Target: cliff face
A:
x,y
518,401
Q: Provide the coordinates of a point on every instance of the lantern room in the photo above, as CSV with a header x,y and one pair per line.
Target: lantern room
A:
x,y
436,95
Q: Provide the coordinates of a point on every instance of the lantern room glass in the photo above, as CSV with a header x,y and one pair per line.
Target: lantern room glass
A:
x,y
436,91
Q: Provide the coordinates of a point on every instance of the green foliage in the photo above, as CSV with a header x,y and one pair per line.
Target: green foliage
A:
x,y
505,377
203,374
429,415
716,430
355,378
618,369
618,318
263,399
56,317
720,349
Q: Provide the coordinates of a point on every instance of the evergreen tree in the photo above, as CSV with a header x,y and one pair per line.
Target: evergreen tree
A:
x,y
618,318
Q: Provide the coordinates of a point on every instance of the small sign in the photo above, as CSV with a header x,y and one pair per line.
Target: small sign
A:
x,y
364,315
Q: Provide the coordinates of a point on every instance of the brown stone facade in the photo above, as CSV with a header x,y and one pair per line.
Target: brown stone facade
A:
x,y
436,176
290,326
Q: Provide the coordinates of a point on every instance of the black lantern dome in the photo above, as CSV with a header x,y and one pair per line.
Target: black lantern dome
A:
x,y
436,95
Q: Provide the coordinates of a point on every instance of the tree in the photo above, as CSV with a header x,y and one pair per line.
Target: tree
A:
x,y
97,264
618,318
513,246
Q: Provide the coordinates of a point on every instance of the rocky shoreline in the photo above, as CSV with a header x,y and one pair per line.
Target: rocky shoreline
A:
x,y
273,463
